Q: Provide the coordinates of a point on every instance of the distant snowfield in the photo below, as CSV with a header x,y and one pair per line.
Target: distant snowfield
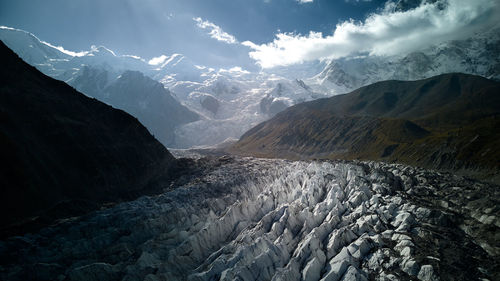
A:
x,y
255,219
239,96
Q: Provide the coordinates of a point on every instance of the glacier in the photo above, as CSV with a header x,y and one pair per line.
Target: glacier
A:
x,y
266,219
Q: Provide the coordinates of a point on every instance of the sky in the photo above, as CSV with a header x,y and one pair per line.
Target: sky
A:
x,y
248,33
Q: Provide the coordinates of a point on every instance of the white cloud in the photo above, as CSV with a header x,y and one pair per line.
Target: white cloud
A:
x,y
158,60
215,31
387,32
305,1
235,70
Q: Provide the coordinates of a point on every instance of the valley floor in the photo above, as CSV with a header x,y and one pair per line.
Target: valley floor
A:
x,y
262,219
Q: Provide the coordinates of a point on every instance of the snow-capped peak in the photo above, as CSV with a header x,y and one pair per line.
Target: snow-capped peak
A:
x,y
100,51
8,33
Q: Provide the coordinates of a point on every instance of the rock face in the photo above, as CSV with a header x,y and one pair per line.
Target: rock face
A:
x,y
444,122
272,106
255,219
65,153
210,103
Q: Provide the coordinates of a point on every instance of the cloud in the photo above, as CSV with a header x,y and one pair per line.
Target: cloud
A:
x,y
235,70
305,1
157,60
215,31
387,32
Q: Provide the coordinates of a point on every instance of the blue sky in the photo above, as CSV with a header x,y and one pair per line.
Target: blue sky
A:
x,y
150,28
259,33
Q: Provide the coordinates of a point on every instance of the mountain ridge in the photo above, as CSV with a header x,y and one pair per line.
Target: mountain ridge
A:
x,y
246,98
476,55
447,122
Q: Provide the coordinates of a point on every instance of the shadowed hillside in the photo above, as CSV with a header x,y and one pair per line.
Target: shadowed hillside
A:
x,y
448,122
64,153
140,96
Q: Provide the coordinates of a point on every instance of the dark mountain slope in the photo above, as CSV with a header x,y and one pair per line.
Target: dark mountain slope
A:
x,y
139,96
151,103
64,151
442,95
447,122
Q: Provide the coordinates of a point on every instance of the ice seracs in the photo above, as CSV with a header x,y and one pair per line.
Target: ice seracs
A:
x,y
254,219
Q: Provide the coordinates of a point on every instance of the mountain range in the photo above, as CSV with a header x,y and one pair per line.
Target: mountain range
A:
x,y
446,122
478,55
116,80
236,93
217,105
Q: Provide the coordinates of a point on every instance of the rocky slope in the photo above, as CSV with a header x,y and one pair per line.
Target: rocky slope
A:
x,y
446,122
64,153
254,219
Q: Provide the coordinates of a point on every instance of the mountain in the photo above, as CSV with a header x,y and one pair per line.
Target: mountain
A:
x,y
477,55
225,102
151,103
244,218
61,64
178,68
140,96
116,80
229,102
30,48
64,153
448,122
242,99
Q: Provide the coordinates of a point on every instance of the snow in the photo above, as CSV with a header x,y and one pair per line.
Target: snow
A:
x,y
476,55
239,94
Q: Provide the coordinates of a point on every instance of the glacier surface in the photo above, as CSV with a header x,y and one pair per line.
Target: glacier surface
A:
x,y
257,219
